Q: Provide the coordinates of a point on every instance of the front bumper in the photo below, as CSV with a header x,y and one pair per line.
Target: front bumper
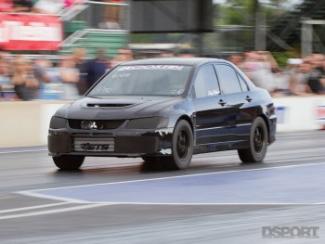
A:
x,y
127,143
272,128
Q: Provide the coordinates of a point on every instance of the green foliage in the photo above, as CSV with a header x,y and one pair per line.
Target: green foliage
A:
x,y
237,12
282,57
241,12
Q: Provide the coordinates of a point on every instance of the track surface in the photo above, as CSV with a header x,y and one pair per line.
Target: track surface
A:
x,y
114,200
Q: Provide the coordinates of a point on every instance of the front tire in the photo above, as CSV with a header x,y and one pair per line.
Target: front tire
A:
x,y
182,146
68,162
182,149
258,142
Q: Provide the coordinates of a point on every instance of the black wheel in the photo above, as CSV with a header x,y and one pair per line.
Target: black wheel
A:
x,y
258,143
68,162
182,150
182,146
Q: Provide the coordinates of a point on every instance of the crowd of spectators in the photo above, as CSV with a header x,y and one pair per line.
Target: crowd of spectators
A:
x,y
24,79
37,6
70,76
299,77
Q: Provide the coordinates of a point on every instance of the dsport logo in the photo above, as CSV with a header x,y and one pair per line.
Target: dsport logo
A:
x,y
290,232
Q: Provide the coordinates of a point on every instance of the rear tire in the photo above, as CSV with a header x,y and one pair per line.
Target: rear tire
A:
x,y
258,142
68,162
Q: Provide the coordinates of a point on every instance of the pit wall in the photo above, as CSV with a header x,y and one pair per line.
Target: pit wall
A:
x,y
24,124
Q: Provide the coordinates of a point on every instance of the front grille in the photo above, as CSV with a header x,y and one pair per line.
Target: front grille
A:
x,y
93,144
95,124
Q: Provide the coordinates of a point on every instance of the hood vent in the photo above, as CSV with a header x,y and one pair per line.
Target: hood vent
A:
x,y
108,105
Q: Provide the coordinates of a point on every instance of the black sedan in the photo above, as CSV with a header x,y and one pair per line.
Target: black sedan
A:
x,y
165,110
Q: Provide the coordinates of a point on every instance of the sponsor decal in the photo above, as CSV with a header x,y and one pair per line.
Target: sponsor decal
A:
x,y
281,112
151,67
320,113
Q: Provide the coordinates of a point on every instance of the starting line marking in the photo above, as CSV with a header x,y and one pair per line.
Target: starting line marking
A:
x,y
53,211
5,211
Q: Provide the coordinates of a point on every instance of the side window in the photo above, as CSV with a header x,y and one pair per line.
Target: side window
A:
x,y
228,79
206,83
243,83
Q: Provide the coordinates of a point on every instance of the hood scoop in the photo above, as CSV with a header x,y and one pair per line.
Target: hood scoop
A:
x,y
108,105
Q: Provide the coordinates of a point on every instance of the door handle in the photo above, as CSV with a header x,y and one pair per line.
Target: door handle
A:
x,y
248,99
222,102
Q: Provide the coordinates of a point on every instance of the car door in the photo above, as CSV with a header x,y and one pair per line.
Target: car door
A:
x,y
211,109
238,96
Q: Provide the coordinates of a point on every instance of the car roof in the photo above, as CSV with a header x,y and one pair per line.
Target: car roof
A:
x,y
175,61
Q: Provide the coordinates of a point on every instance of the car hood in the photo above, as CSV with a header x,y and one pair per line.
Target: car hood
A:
x,y
118,107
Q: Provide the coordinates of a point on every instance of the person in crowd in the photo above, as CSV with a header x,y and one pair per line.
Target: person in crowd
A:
x,y
79,58
123,55
258,68
236,59
25,84
167,54
185,53
96,68
40,68
316,74
23,5
112,17
6,88
69,76
4,75
295,74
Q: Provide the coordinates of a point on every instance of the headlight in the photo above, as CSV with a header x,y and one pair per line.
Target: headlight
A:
x,y
147,123
57,123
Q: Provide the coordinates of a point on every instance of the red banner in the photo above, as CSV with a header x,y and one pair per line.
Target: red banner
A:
x,y
30,32
5,5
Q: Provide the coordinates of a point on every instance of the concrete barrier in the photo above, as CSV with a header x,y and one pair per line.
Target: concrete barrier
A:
x,y
300,113
25,124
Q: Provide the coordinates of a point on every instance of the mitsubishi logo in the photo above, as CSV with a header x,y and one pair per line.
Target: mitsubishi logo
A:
x,y
89,125
93,125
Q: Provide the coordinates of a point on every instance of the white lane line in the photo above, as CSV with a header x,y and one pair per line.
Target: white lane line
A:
x,y
51,197
53,211
5,211
28,192
23,151
215,204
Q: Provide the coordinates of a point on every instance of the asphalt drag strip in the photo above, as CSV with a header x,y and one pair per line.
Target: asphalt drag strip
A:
x,y
279,186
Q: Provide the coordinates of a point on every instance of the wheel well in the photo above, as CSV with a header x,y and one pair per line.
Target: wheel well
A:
x,y
188,119
267,124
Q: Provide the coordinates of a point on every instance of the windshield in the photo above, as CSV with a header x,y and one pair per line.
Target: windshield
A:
x,y
143,80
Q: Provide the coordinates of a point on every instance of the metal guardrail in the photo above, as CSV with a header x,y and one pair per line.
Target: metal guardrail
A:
x,y
81,34
98,14
95,15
